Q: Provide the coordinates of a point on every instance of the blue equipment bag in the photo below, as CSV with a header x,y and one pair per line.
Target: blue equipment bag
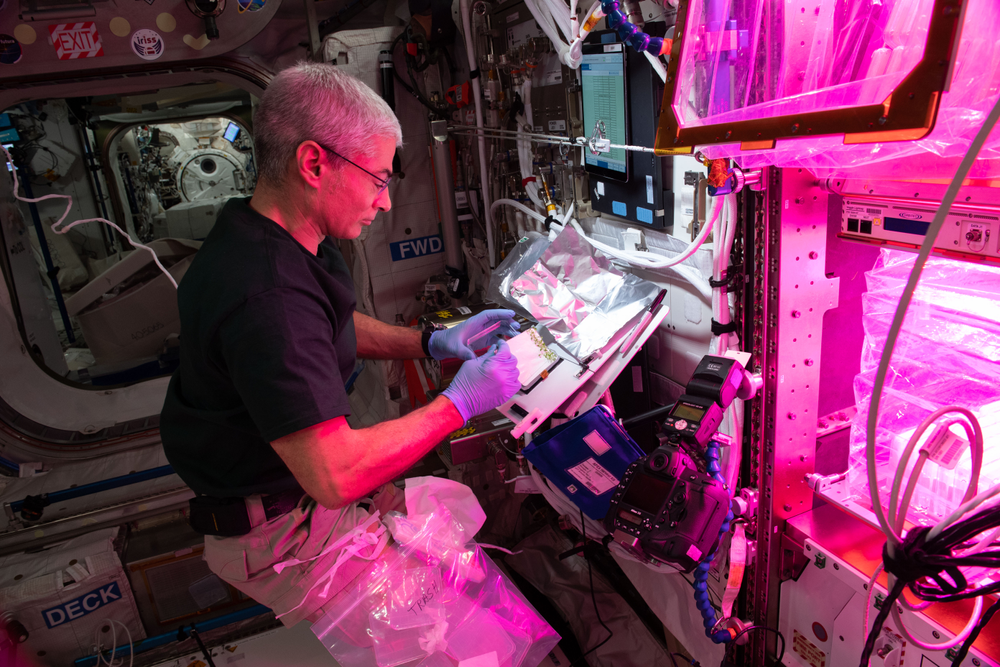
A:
x,y
585,458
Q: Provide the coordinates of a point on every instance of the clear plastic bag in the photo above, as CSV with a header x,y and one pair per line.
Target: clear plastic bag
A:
x,y
434,599
521,257
855,54
948,353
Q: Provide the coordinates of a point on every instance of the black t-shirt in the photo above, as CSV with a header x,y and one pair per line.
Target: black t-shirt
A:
x,y
267,343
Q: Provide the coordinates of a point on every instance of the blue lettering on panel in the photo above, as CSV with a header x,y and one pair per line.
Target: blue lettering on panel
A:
x,y
425,245
83,605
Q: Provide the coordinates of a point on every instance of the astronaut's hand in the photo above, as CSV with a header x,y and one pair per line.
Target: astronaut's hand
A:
x,y
484,383
454,342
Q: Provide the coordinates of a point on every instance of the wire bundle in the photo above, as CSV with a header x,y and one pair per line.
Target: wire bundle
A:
x,y
921,563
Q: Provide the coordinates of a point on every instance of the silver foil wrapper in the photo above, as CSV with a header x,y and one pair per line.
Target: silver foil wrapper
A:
x,y
572,289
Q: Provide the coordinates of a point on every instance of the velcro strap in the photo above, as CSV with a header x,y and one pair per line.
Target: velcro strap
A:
x,y
719,329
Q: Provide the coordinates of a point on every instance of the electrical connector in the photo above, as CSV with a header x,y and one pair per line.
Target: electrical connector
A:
x,y
632,240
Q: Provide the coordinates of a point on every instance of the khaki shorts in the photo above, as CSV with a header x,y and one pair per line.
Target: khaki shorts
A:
x,y
247,561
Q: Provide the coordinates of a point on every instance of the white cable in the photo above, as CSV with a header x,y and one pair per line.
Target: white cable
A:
x,y
574,21
576,47
962,510
484,180
548,25
719,345
524,156
569,214
114,645
688,273
897,515
977,612
69,205
649,260
519,206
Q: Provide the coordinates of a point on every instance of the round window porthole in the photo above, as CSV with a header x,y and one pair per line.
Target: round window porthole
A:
x,y
208,165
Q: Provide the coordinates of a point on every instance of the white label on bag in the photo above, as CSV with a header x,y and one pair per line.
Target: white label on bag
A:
x,y
594,476
596,443
945,448
78,572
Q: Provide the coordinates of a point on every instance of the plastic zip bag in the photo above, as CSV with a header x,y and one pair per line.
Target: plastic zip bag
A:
x,y
434,599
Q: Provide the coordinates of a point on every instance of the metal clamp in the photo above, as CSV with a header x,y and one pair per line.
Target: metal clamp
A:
x,y
599,142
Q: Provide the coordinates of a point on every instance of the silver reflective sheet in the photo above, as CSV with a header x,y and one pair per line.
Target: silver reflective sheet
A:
x,y
578,295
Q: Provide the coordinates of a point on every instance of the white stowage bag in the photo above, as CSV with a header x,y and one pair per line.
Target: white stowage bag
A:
x,y
65,596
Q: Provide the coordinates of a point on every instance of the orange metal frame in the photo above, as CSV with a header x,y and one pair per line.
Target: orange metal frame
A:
x,y
908,113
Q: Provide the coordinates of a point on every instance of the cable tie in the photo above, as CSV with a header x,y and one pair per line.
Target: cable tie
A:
x,y
733,274
718,329
474,74
907,564
529,179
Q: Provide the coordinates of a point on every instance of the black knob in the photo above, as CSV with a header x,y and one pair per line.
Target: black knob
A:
x,y
211,29
15,630
32,508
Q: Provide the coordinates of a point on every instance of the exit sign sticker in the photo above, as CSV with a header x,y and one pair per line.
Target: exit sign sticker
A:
x,y
76,40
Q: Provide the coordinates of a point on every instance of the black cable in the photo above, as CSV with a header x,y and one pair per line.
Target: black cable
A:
x,y
646,416
673,660
412,90
730,645
971,639
593,597
204,651
686,659
883,614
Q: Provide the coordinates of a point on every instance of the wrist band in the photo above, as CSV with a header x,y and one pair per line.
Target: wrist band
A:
x,y
425,342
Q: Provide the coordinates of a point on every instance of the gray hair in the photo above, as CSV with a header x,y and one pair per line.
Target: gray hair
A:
x,y
320,102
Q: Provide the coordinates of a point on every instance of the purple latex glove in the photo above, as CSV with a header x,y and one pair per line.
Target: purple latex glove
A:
x,y
454,342
484,383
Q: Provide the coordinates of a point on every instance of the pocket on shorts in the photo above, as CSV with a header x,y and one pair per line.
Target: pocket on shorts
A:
x,y
229,561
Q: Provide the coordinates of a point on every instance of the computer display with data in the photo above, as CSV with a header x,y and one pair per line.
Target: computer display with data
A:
x,y
603,79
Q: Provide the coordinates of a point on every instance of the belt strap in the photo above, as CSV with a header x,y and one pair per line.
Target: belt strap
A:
x,y
276,504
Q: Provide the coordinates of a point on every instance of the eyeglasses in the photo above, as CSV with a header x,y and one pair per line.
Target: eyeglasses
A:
x,y
383,182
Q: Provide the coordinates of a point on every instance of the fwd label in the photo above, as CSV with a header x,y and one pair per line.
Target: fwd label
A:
x,y
425,245
83,605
